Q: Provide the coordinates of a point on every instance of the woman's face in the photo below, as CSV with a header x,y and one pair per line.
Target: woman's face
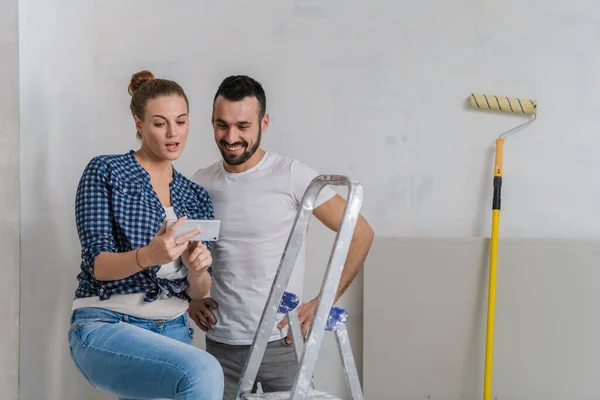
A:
x,y
165,127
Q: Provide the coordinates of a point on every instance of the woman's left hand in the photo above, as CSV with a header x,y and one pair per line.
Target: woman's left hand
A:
x,y
197,257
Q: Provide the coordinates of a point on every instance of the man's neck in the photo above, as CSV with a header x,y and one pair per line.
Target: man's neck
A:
x,y
251,163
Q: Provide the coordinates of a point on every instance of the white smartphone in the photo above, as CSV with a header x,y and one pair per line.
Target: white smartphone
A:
x,y
210,229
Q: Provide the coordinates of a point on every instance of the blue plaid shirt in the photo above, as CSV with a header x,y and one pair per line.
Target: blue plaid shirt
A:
x,y
117,210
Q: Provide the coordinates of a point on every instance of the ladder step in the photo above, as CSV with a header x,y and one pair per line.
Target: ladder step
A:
x,y
312,395
337,317
289,301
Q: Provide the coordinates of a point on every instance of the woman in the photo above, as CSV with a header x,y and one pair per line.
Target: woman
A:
x,y
130,334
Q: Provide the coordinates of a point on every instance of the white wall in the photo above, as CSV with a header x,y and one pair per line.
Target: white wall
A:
x,y
376,91
9,198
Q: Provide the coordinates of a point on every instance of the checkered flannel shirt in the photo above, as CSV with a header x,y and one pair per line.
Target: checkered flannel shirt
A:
x,y
116,210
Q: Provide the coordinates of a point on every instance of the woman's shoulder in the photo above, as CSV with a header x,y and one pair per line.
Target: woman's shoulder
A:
x,y
110,161
196,198
192,188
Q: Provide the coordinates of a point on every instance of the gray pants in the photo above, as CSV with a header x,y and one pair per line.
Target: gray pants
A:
x,y
276,373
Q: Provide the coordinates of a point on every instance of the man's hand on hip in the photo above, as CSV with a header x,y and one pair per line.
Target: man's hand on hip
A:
x,y
306,313
200,311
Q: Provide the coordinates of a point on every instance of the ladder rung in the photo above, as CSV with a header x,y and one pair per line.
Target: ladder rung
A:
x,y
289,301
312,395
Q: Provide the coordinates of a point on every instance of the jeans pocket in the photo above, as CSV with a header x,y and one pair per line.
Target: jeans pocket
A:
x,y
284,343
82,327
83,330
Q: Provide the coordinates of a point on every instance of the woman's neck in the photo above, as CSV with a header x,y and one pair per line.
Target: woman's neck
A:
x,y
161,169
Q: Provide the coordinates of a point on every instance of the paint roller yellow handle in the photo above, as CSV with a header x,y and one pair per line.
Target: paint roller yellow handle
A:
x,y
498,160
502,103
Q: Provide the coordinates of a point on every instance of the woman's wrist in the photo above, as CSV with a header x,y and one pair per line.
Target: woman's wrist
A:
x,y
140,258
199,284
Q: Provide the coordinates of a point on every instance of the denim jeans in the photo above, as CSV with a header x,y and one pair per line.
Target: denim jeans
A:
x,y
134,358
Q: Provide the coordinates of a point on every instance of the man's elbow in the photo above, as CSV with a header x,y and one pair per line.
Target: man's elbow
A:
x,y
363,232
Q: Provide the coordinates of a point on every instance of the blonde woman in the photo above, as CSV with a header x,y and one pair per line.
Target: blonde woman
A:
x,y
130,334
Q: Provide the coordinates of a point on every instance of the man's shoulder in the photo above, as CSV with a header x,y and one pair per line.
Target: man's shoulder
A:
x,y
204,173
294,166
286,164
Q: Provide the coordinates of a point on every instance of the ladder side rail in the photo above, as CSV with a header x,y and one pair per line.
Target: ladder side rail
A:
x,y
328,290
297,339
350,371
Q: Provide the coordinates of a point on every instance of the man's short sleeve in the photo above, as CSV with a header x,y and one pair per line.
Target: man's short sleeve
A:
x,y
302,176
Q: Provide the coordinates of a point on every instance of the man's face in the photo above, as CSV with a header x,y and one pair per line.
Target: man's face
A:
x,y
237,128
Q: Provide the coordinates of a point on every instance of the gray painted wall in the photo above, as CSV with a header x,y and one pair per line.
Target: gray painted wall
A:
x,y
425,314
9,198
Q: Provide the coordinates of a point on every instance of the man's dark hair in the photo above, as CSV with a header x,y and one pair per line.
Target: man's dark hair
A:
x,y
237,87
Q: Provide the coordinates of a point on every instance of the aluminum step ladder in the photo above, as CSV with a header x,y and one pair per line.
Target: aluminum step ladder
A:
x,y
307,351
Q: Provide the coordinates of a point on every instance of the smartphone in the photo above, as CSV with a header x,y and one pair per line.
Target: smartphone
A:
x,y
210,229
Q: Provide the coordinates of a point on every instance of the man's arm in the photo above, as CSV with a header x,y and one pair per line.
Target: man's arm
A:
x,y
330,214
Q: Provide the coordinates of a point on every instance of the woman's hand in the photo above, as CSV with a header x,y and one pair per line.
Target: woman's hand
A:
x,y
197,258
164,247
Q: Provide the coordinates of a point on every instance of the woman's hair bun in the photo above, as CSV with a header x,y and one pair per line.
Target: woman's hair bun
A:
x,y
138,79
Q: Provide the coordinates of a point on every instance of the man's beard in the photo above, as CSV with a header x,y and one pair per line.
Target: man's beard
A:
x,y
245,156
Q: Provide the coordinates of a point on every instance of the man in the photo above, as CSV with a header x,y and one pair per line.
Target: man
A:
x,y
257,194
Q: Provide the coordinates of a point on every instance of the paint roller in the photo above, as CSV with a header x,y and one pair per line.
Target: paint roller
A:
x,y
509,105
502,103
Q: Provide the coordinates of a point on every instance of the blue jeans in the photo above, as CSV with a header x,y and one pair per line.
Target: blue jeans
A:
x,y
136,358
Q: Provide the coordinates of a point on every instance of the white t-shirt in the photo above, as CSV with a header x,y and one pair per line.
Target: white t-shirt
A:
x,y
257,209
133,304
